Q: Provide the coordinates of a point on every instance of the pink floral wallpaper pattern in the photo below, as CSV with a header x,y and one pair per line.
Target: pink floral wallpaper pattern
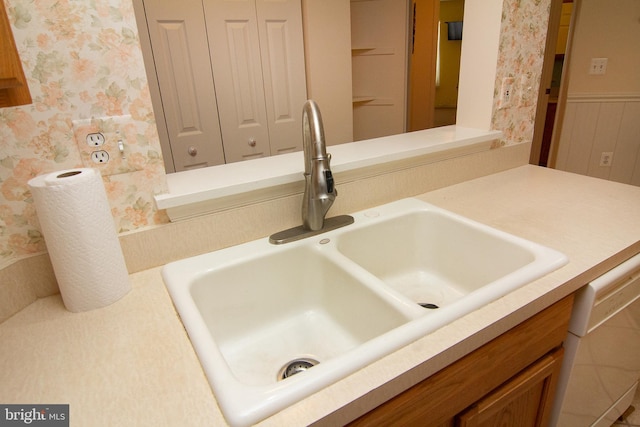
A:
x,y
523,36
82,59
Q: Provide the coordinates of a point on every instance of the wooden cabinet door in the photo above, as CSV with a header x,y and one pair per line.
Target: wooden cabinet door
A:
x,y
521,353
13,84
524,401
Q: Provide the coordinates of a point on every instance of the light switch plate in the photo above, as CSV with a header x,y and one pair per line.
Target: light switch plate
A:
x,y
598,66
527,95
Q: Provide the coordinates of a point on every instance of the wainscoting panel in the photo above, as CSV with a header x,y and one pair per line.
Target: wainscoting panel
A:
x,y
596,125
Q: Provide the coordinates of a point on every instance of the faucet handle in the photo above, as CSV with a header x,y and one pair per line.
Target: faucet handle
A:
x,y
328,176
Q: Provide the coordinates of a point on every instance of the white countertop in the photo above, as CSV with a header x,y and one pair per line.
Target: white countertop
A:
x,y
132,364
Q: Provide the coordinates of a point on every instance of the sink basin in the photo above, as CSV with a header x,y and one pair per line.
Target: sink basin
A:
x,y
274,324
253,310
296,304
437,258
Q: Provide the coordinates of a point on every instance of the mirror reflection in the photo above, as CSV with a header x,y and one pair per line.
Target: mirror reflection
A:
x,y
228,78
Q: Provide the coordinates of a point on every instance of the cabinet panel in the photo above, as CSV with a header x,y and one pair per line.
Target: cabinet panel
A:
x,y
180,52
243,67
276,35
524,401
13,84
283,68
175,43
439,398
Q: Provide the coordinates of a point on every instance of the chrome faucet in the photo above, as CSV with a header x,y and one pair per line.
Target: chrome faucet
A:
x,y
319,189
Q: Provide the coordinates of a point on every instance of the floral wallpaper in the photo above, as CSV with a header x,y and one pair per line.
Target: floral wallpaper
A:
x,y
82,59
523,36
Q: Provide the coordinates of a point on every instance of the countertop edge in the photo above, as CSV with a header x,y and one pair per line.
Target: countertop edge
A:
x,y
511,200
402,369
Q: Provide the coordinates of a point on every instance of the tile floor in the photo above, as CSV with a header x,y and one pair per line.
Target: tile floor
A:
x,y
633,419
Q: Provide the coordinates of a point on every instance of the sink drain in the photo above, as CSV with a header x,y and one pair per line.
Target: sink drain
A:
x,y
428,305
296,366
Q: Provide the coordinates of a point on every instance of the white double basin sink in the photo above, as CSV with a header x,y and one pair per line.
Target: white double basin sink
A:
x,y
316,310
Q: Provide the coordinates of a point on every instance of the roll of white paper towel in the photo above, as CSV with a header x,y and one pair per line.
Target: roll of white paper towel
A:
x,y
81,238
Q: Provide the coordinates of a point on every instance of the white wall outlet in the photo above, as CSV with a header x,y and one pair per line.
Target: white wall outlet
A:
x,y
606,158
95,139
598,66
99,157
107,143
506,92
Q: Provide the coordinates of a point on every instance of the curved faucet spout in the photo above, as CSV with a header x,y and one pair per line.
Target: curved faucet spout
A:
x,y
319,190
312,135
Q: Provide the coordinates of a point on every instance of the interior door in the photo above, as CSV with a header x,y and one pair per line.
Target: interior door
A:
x,y
181,57
283,71
232,32
545,84
423,47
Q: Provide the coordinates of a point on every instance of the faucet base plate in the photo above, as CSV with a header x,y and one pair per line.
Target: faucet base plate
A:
x,y
297,233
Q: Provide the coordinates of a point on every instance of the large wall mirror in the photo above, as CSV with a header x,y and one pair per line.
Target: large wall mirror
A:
x,y
228,79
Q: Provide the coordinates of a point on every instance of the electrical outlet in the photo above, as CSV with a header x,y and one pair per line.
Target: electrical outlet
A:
x,y
606,158
99,157
506,92
95,139
108,144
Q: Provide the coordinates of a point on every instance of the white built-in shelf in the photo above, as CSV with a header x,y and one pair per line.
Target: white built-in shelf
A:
x,y
367,51
372,100
360,99
201,191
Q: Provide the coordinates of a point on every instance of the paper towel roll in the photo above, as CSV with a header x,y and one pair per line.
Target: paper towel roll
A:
x,y
81,238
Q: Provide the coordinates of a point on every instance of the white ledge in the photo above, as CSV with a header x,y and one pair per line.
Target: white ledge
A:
x,y
604,97
200,191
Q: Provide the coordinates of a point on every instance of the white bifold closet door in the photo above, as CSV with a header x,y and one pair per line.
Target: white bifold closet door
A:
x,y
257,54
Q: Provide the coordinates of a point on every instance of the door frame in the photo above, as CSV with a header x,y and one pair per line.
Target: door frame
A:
x,y
545,83
421,86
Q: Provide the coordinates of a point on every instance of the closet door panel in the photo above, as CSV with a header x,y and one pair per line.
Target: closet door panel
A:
x,y
235,56
181,56
283,68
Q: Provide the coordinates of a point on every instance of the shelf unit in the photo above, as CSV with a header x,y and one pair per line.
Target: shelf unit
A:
x,y
378,63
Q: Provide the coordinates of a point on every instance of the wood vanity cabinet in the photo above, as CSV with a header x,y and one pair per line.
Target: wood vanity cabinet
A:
x,y
522,401
13,84
511,380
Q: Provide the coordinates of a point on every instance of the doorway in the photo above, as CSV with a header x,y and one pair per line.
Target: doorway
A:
x,y
548,115
423,48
